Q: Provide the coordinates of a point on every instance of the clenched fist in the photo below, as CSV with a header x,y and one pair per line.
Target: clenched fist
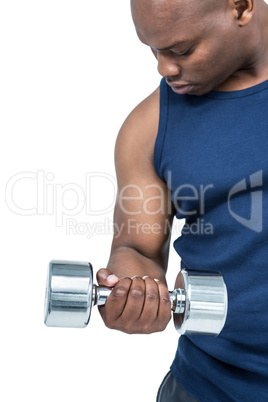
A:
x,y
136,305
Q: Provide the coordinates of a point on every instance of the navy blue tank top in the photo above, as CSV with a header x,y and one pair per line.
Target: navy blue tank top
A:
x,y
212,151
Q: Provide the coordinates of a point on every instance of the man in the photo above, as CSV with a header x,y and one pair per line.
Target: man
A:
x,y
201,139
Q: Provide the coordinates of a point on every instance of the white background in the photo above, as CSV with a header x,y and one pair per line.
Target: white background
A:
x,y
70,73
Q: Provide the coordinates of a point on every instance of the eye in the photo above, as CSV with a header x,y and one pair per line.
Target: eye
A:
x,y
187,52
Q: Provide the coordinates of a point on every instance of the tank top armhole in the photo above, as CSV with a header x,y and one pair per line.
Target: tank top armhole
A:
x,y
163,118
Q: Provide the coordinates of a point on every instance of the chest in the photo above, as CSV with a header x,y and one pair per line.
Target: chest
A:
x,y
212,147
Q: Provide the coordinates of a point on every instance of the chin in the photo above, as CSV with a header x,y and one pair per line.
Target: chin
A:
x,y
200,91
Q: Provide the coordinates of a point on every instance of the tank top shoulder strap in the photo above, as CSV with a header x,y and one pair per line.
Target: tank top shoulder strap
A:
x,y
162,127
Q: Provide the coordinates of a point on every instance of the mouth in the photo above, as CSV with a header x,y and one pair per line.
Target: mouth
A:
x,y
181,89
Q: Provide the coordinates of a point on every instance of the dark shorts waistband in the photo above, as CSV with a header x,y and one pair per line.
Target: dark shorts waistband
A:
x,y
171,391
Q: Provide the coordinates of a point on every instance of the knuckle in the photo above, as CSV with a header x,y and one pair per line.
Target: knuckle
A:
x,y
129,331
137,293
164,295
161,326
121,324
147,329
152,296
156,326
128,328
165,299
119,293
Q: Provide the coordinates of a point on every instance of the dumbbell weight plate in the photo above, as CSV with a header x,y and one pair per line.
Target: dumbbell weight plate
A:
x,y
69,294
206,303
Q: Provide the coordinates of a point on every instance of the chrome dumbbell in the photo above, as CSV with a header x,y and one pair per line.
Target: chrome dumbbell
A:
x,y
199,301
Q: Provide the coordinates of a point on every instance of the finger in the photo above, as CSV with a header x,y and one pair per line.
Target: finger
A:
x,y
106,278
151,305
164,310
135,301
116,302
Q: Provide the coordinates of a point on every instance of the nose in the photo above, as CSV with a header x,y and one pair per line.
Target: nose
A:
x,y
167,66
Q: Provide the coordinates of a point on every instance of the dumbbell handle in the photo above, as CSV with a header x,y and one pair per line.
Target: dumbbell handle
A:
x,y
177,298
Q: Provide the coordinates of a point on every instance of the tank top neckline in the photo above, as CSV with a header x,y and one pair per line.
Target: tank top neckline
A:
x,y
237,94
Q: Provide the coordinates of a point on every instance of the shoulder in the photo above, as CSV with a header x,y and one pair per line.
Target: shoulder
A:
x,y
136,138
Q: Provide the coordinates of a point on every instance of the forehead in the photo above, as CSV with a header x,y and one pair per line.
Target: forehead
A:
x,y
159,21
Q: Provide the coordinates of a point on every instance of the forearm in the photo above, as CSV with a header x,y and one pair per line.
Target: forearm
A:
x,y
126,261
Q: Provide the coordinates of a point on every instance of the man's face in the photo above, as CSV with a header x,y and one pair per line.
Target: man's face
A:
x,y
196,49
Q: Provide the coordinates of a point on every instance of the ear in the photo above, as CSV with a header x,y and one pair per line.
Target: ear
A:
x,y
244,10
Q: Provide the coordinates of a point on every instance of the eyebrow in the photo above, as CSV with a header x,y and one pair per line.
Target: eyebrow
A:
x,y
178,43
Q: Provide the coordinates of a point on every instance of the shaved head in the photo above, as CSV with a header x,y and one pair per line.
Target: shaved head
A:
x,y
153,19
179,6
201,43
153,16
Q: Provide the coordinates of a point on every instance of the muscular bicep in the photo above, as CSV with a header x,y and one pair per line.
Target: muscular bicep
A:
x,y
143,212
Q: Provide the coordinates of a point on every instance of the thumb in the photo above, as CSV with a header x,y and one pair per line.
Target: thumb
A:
x,y
106,278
